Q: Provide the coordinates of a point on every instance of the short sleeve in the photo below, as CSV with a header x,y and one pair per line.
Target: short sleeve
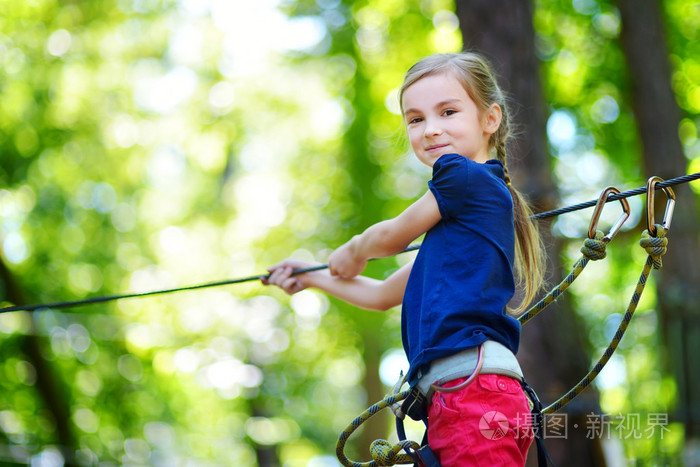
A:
x,y
450,184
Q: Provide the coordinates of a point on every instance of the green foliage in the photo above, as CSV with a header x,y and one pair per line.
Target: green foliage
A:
x,y
592,133
149,144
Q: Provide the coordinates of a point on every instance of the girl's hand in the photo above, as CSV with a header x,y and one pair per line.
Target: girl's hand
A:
x,y
343,262
281,276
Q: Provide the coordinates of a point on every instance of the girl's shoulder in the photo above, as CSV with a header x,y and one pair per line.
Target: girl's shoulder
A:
x,y
450,167
455,163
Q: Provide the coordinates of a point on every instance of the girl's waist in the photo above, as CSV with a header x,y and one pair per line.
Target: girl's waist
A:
x,y
497,359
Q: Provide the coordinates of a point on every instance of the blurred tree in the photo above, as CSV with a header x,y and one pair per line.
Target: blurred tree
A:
x,y
51,390
658,119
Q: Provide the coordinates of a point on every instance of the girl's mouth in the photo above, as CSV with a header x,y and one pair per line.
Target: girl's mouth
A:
x,y
435,147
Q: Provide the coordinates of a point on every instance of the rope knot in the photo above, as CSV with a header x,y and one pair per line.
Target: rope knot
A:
x,y
594,248
655,246
384,453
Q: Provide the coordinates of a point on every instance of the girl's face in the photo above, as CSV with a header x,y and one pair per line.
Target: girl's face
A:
x,y
441,118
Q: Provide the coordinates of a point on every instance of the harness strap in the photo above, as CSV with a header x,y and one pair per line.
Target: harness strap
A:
x,y
423,456
427,457
538,426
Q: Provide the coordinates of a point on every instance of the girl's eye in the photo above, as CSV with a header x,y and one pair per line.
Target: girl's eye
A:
x,y
449,112
415,120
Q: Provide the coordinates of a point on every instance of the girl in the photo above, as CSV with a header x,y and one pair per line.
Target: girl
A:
x,y
459,336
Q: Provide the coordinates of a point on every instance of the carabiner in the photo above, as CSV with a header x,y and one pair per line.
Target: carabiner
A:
x,y
599,209
670,204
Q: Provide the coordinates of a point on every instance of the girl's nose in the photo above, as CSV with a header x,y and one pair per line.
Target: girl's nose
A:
x,y
431,129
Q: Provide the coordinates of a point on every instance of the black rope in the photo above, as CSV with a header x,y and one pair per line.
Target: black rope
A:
x,y
109,298
617,196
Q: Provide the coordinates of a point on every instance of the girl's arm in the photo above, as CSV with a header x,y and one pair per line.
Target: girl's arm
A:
x,y
385,238
360,291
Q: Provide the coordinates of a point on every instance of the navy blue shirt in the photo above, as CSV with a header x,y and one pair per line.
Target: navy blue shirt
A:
x,y
462,278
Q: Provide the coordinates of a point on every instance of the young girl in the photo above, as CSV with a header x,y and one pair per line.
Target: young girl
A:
x,y
459,336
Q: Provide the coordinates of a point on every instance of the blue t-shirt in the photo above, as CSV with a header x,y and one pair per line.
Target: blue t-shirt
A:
x,y
462,278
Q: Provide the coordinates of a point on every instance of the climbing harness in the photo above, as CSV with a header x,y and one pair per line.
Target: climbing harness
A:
x,y
654,242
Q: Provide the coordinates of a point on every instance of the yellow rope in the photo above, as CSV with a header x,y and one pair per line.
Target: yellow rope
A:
x,y
382,451
655,247
592,249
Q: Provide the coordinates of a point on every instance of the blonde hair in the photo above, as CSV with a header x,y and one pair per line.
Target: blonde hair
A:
x,y
475,74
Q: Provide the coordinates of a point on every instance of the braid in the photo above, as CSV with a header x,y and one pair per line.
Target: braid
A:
x,y
506,177
529,264
500,136
499,147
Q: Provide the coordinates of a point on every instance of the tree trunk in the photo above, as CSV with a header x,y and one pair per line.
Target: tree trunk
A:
x,y
551,353
658,117
48,385
267,456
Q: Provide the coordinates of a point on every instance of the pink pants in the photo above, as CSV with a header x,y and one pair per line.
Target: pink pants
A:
x,y
488,423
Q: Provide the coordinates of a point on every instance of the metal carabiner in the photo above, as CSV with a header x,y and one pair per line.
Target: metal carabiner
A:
x,y
670,204
599,209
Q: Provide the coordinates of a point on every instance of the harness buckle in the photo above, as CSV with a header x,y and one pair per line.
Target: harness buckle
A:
x,y
415,405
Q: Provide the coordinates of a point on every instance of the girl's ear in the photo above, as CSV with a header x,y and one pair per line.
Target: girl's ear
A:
x,y
492,119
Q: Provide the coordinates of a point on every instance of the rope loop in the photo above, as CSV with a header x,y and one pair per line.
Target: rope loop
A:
x,y
378,450
655,245
384,453
594,248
